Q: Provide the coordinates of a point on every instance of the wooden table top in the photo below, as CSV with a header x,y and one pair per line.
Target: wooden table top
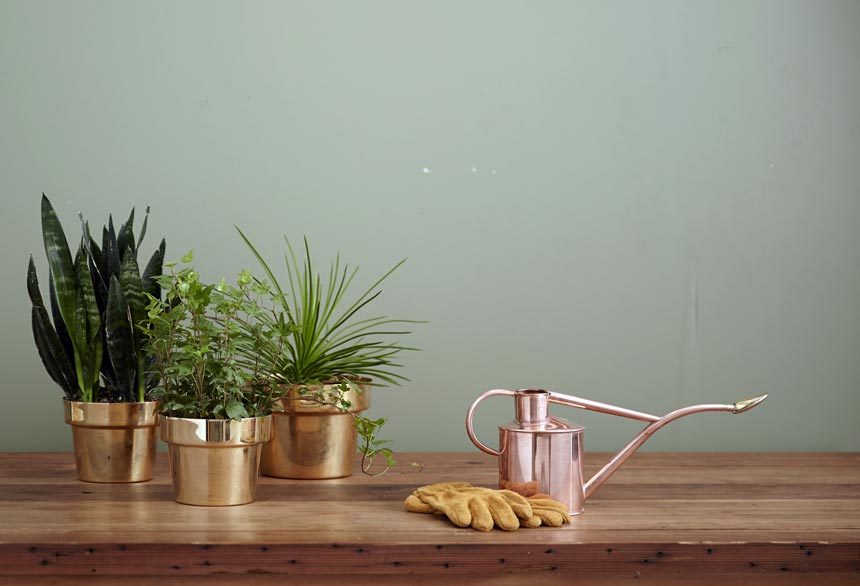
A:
x,y
774,518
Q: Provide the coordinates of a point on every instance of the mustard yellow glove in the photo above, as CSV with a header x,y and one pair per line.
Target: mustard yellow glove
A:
x,y
414,504
476,507
550,512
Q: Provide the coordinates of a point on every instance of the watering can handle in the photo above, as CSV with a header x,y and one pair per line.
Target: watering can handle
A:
x,y
470,429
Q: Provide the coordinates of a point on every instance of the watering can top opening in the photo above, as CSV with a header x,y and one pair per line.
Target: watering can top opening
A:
x,y
531,414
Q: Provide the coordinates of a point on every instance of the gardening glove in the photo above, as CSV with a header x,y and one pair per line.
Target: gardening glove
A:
x,y
480,508
550,512
416,505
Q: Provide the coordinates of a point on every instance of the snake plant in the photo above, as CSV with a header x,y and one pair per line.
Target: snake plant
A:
x,y
90,342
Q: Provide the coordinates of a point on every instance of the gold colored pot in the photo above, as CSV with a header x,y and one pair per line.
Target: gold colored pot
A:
x,y
312,440
114,442
215,462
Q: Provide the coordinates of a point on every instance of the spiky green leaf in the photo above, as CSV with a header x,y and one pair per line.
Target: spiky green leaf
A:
x,y
119,337
60,263
153,270
51,349
94,263
143,229
110,250
59,324
88,296
52,353
125,237
88,335
132,289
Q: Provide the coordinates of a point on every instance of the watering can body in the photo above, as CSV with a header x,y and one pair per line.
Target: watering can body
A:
x,y
541,454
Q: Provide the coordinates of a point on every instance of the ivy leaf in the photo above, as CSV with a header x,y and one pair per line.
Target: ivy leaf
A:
x,y
235,410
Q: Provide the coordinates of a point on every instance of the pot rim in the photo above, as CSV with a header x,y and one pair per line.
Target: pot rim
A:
x,y
216,433
293,403
110,415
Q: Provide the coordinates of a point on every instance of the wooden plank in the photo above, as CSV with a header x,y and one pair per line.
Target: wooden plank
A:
x,y
511,579
180,559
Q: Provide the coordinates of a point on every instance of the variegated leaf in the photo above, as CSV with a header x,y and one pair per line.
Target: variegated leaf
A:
x,y
60,263
119,337
152,270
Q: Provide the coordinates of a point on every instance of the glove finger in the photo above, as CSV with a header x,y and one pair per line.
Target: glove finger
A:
x,y
454,506
551,505
531,522
518,503
414,504
550,518
503,514
482,518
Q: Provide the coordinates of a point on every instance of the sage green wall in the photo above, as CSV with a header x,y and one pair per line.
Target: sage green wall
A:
x,y
646,203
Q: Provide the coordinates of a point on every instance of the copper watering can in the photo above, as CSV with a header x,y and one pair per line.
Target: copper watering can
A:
x,y
539,453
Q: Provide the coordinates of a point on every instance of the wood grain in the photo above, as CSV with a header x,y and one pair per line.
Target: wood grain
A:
x,y
663,517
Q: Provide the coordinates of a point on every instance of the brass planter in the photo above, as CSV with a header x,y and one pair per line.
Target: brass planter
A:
x,y
311,440
215,462
114,442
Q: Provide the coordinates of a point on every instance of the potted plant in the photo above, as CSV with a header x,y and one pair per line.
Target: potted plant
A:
x,y
326,368
206,342
92,348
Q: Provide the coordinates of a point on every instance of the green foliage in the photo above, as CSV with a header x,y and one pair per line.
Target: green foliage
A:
x,y
207,343
332,342
371,447
88,342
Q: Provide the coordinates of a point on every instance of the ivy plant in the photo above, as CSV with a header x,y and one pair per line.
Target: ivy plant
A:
x,y
211,344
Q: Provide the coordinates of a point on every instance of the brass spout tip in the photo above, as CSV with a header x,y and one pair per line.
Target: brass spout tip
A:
x,y
748,404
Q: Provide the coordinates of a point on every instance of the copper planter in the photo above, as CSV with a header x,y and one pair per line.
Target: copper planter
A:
x,y
114,442
311,440
215,462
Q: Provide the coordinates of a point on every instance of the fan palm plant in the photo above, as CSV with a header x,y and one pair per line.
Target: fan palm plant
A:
x,y
334,352
331,343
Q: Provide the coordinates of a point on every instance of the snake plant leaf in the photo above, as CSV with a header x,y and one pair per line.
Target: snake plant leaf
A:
x,y
87,296
110,250
103,268
120,341
132,288
52,353
59,324
142,229
88,337
33,285
60,264
51,350
152,270
107,371
125,236
94,264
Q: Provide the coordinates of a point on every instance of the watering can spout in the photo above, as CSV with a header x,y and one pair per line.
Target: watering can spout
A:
x,y
656,423
748,404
